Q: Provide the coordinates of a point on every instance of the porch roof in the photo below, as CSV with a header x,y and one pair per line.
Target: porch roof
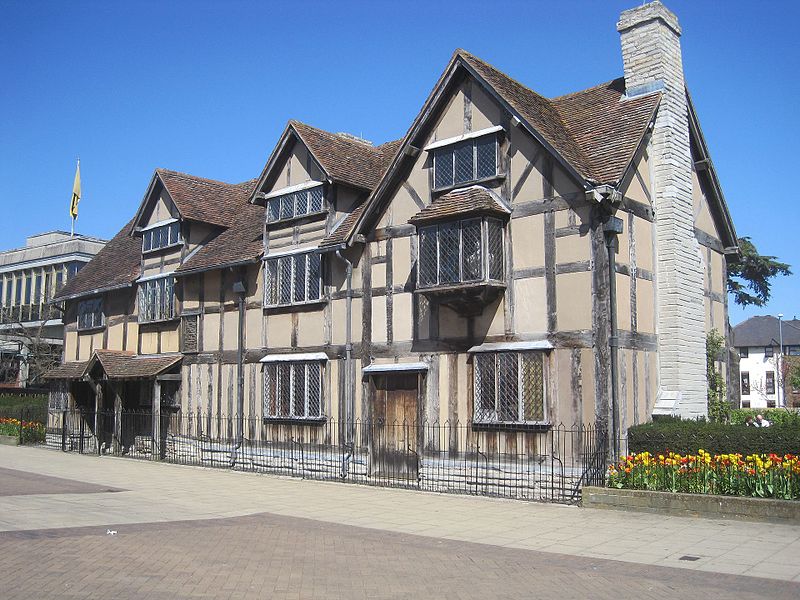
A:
x,y
128,365
68,370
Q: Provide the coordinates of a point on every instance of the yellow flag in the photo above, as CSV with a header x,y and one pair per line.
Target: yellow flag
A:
x,y
76,193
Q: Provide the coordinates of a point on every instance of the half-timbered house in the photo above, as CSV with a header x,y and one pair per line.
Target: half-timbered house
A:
x,y
513,262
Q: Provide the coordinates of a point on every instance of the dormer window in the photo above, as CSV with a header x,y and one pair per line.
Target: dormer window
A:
x,y
294,204
465,159
161,235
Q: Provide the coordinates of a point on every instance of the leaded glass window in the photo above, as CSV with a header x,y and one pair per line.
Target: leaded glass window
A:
x,y
460,252
293,390
157,299
295,204
462,162
90,313
161,236
293,279
509,387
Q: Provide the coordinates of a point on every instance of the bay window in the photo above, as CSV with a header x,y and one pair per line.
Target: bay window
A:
x,y
293,390
157,299
293,279
509,387
466,161
295,204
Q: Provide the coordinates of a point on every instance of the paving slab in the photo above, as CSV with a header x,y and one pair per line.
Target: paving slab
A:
x,y
163,493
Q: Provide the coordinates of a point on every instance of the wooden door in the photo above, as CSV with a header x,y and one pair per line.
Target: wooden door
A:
x,y
395,426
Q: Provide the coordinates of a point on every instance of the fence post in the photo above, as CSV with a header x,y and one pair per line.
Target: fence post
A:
x,y
64,430
156,445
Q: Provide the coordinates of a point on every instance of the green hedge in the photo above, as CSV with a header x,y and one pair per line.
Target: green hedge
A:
x,y
776,416
687,437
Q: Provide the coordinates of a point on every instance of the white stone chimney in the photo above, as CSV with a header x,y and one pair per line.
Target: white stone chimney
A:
x,y
651,53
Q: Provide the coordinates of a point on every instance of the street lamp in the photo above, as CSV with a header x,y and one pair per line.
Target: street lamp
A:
x,y
781,391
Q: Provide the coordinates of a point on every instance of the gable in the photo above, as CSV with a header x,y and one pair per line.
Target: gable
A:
x,y
294,165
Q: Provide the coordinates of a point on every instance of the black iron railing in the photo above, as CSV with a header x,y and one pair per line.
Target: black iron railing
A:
x,y
546,464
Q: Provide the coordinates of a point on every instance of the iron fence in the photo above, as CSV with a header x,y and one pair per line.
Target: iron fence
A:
x,y
546,464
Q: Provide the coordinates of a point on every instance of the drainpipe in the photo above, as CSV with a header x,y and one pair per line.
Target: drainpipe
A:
x,y
612,227
239,289
348,391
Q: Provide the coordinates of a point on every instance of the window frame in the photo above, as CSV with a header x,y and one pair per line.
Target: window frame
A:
x,y
292,258
451,149
744,381
273,369
145,293
278,202
769,383
148,233
494,419
744,352
769,352
485,265
81,312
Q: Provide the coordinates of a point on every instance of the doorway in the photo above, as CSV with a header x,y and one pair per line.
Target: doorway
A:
x,y
395,426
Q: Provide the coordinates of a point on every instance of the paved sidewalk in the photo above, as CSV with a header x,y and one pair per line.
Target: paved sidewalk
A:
x,y
156,492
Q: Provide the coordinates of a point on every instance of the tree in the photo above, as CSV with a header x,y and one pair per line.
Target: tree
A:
x,y
749,279
33,353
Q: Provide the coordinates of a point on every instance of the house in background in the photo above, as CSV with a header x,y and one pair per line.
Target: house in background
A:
x,y
758,341
513,262
29,279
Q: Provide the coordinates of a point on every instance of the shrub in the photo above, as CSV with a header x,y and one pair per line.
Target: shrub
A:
x,y
688,437
776,416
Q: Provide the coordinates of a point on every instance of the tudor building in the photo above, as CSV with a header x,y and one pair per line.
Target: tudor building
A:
x,y
513,261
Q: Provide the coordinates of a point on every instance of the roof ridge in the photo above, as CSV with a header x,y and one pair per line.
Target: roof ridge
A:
x,y
194,177
471,56
589,89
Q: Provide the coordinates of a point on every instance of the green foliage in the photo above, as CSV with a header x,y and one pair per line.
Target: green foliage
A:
x,y
718,407
749,279
12,405
776,416
687,437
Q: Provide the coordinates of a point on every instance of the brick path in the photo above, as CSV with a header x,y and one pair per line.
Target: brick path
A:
x,y
190,532
268,556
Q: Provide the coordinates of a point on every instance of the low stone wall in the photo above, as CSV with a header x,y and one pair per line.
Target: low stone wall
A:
x,y
9,440
693,505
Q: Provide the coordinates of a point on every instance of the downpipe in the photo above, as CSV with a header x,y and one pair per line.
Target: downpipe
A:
x,y
240,289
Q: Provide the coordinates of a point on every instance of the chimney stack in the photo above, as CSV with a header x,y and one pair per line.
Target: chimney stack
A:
x,y
651,54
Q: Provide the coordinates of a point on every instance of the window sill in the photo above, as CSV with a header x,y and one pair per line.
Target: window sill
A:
x,y
162,248
295,420
174,319
91,329
465,184
534,426
296,307
298,220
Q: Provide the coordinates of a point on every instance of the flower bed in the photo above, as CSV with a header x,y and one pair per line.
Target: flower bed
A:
x,y
755,475
29,432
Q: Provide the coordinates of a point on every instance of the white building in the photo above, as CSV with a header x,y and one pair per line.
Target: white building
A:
x,y
29,278
758,341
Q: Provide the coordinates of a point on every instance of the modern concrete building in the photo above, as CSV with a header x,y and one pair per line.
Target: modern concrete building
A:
x,y
758,341
513,262
29,278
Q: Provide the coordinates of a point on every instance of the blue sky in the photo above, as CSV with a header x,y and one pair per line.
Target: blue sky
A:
x,y
207,87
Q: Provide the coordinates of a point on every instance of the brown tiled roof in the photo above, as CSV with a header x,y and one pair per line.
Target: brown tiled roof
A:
x,y
68,370
474,200
128,365
342,231
241,243
536,110
206,200
116,265
344,159
607,126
